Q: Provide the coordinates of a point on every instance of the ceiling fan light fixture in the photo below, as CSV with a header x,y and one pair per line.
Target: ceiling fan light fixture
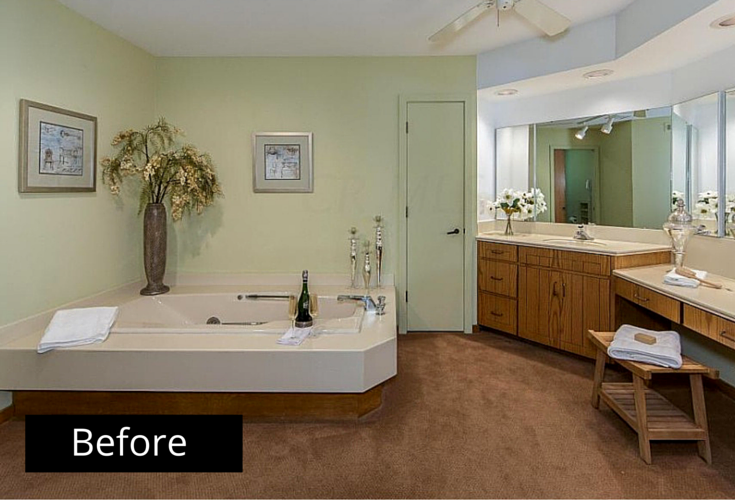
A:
x,y
607,127
506,92
581,132
598,73
727,21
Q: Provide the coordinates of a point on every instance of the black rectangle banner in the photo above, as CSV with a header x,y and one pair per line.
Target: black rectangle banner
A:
x,y
134,443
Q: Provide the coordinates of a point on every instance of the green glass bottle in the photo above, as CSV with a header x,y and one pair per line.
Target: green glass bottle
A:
x,y
303,317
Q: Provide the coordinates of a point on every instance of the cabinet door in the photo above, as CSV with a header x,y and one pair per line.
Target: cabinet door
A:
x,y
585,306
539,305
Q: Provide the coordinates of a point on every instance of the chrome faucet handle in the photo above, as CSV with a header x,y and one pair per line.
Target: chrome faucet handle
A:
x,y
380,306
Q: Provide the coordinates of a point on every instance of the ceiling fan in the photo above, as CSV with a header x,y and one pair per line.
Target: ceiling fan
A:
x,y
545,18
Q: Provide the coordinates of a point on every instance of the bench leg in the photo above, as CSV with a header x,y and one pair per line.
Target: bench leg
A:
x,y
599,377
700,416
644,444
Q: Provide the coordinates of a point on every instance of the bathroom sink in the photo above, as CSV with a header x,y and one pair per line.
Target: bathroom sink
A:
x,y
573,242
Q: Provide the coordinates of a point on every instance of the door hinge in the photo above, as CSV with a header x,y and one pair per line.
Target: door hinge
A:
x,y
406,127
406,295
406,211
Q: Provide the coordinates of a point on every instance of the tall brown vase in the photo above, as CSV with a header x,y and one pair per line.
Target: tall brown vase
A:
x,y
154,248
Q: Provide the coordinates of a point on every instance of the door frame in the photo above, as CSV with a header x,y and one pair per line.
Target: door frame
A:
x,y
470,201
596,188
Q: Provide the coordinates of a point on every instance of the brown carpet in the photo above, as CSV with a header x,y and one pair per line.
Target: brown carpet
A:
x,y
467,416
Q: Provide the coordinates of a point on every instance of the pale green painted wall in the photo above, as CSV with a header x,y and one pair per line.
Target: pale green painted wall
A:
x,y
351,106
60,247
651,153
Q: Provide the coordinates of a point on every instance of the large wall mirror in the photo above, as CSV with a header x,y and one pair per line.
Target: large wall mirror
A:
x,y
627,169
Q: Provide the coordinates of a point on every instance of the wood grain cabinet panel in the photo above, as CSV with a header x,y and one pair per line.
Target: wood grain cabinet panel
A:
x,y
497,251
497,312
653,301
714,327
587,263
539,305
542,257
497,277
585,306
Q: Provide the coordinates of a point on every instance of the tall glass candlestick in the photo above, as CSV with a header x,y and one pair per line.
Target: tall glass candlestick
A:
x,y
367,268
378,250
353,257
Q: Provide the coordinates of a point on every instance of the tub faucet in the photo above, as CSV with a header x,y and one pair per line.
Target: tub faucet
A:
x,y
581,235
366,300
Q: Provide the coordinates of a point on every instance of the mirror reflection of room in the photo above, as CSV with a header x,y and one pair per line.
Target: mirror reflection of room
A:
x,y
730,171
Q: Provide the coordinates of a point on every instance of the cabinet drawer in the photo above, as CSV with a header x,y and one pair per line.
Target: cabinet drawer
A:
x,y
714,327
496,312
542,257
497,251
653,301
497,277
584,263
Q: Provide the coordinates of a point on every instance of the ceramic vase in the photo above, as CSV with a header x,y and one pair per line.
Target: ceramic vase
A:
x,y
154,248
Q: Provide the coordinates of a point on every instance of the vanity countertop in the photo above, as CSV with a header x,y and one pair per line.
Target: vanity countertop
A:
x,y
603,247
719,302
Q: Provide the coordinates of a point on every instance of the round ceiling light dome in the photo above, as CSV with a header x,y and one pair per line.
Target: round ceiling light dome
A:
x,y
506,92
598,73
727,21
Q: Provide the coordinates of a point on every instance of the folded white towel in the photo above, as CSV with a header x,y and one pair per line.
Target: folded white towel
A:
x,y
673,278
75,327
294,336
665,352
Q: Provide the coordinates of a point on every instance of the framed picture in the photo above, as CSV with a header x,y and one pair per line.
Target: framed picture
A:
x,y
58,150
283,162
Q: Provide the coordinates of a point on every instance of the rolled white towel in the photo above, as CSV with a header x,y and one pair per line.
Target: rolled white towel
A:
x,y
75,327
673,278
665,352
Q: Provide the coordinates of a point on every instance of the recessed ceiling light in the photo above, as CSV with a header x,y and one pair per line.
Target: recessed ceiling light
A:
x,y
727,21
506,92
598,73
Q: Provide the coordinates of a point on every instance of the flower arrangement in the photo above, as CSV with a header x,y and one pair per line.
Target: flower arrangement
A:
x,y
708,203
180,174
520,205
675,197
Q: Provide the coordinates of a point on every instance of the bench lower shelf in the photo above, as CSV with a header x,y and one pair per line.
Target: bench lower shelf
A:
x,y
665,421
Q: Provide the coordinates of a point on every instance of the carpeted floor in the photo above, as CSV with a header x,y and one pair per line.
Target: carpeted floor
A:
x,y
467,416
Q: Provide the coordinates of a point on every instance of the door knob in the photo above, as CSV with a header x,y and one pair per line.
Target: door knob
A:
x,y
456,231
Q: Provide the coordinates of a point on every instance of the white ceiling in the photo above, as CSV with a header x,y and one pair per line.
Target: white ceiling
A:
x,y
315,27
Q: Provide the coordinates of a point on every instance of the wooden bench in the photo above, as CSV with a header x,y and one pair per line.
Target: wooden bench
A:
x,y
651,415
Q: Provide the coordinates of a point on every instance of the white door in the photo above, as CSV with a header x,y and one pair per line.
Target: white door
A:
x,y
435,216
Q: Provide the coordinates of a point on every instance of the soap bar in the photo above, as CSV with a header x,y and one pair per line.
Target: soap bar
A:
x,y
644,338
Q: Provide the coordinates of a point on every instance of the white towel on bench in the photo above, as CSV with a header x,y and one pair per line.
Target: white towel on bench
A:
x,y
75,327
665,352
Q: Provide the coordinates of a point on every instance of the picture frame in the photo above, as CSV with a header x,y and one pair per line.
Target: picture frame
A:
x,y
57,150
283,162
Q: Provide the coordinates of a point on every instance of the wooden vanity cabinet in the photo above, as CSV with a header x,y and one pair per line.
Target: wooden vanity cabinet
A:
x,y
553,296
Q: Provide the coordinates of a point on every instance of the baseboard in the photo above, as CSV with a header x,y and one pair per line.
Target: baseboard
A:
x,y
7,413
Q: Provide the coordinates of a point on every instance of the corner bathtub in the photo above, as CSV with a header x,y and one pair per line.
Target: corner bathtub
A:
x,y
231,313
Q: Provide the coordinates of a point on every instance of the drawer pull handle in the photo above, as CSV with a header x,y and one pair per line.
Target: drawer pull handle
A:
x,y
642,299
499,315
727,336
494,278
497,252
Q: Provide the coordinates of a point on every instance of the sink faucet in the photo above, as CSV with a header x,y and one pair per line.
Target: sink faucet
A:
x,y
581,235
367,302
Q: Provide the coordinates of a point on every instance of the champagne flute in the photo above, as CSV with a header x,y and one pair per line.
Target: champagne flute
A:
x,y
292,307
314,311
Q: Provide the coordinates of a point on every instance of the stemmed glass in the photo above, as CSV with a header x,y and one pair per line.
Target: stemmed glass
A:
x,y
292,310
314,310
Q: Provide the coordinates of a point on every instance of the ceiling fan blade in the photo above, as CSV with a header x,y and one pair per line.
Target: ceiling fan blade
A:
x,y
546,18
462,21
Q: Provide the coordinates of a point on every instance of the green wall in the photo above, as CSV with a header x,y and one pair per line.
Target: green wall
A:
x,y
61,247
651,152
351,106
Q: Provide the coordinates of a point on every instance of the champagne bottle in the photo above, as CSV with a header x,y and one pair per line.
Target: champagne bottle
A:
x,y
303,317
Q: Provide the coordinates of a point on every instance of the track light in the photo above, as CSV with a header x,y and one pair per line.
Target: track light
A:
x,y
607,127
581,132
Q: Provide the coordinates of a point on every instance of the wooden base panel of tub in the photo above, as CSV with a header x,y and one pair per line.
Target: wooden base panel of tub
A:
x,y
258,406
6,414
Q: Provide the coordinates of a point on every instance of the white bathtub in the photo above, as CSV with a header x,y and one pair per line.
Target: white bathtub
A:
x,y
190,313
